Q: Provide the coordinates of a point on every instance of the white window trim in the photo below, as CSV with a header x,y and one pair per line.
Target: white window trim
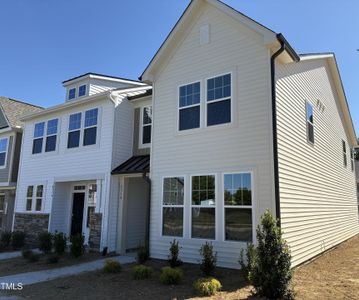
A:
x,y
141,145
174,206
215,207
6,151
238,206
45,135
34,198
308,122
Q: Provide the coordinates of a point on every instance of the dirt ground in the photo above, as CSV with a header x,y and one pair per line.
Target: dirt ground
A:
x,y
334,275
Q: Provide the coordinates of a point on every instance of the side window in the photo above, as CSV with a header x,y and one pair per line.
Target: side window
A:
x,y
219,100
82,90
310,122
39,196
29,194
3,151
38,138
73,139
146,125
90,131
352,159
51,135
189,106
345,160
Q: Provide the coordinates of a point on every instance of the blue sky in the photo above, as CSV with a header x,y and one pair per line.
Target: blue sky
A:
x,y
44,42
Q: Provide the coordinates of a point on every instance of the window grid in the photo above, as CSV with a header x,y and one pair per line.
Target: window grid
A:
x,y
72,93
82,90
29,196
189,99
51,135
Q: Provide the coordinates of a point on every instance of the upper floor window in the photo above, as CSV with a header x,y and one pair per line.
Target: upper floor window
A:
x,y
345,159
90,131
72,93
51,136
219,100
38,137
3,151
189,106
146,125
82,90
310,122
73,139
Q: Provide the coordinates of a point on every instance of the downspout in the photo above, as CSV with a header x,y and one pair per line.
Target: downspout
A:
x,y
274,126
148,180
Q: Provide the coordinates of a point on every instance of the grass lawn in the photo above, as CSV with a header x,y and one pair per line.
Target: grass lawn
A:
x,y
334,275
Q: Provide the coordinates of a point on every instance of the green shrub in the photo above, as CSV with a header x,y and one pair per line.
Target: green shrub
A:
x,y
142,254
247,260
271,273
59,239
34,257
45,242
5,239
53,259
209,259
207,286
141,272
77,245
174,253
18,239
27,253
171,275
112,266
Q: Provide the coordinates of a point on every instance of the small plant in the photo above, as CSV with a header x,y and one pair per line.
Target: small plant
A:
x,y
27,253
247,260
53,259
45,242
141,272
5,239
18,240
112,266
34,257
142,254
59,240
207,286
209,259
77,245
173,257
171,275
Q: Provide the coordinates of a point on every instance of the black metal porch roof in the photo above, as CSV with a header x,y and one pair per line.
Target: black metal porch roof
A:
x,y
136,164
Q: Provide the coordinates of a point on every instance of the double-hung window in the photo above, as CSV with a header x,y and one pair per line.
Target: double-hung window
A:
x,y
238,207
345,159
90,131
51,135
72,94
189,106
82,90
310,122
219,100
73,139
146,125
172,206
3,151
51,129
38,137
34,196
203,207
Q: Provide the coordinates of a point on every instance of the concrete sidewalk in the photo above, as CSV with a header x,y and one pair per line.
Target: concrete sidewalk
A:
x,y
46,275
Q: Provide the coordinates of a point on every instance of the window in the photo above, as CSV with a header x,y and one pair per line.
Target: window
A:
x,y
73,140
189,106
352,159
39,195
203,207
219,100
238,207
3,151
38,138
310,122
2,204
82,90
344,153
172,205
72,93
92,199
29,195
146,125
51,135
90,131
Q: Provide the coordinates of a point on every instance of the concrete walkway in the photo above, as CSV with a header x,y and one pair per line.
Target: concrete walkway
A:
x,y
46,275
13,254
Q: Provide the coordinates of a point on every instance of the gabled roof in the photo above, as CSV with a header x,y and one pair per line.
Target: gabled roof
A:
x,y
270,37
103,77
12,110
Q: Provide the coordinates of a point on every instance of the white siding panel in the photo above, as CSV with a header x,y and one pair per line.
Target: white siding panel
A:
x,y
318,200
61,208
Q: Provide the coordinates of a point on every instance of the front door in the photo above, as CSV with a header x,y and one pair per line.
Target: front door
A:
x,y
77,213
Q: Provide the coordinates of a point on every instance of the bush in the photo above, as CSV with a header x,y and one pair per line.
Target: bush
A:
x,y
45,242
30,256
5,239
207,286
53,259
59,242
271,273
173,257
18,239
142,254
112,266
209,259
247,260
77,245
141,272
171,275
34,257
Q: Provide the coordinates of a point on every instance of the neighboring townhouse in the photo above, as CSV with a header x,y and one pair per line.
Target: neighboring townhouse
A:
x,y
242,124
67,156
10,145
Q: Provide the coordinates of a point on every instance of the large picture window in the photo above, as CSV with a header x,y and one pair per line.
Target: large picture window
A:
x,y
203,207
173,194
146,125
238,207
219,100
3,151
189,106
310,122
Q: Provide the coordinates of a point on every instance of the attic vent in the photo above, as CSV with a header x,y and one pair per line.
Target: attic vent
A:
x,y
204,34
